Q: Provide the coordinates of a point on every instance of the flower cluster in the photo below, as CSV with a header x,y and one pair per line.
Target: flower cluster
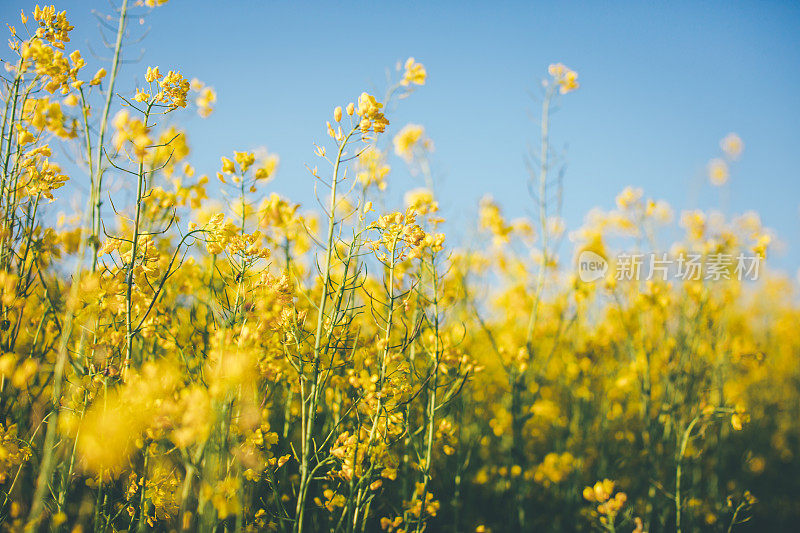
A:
x,y
369,109
44,56
609,506
410,139
42,176
565,78
206,98
172,89
718,169
414,73
131,130
401,238
372,168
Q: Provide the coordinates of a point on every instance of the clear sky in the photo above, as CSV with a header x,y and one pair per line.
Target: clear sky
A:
x,y
661,84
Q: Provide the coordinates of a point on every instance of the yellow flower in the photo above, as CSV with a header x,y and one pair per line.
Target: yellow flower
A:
x,y
206,97
152,74
267,166
141,96
718,172
369,109
131,130
628,197
24,136
421,201
77,60
566,78
490,218
174,88
228,166
732,145
372,169
245,160
695,224
408,138
99,75
414,73
600,492
659,211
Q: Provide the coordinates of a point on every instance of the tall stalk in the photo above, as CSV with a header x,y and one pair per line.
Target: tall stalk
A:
x,y
310,410
97,173
432,390
129,281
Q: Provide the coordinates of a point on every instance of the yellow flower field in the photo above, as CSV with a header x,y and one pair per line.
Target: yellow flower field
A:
x,y
170,364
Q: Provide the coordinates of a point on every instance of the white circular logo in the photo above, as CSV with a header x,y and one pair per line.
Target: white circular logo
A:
x,y
591,266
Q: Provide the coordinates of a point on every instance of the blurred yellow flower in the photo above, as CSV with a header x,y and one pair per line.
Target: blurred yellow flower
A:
x,y
718,172
414,73
565,78
732,145
410,137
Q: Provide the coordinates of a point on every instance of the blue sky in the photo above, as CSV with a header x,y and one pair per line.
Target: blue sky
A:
x,y
661,84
